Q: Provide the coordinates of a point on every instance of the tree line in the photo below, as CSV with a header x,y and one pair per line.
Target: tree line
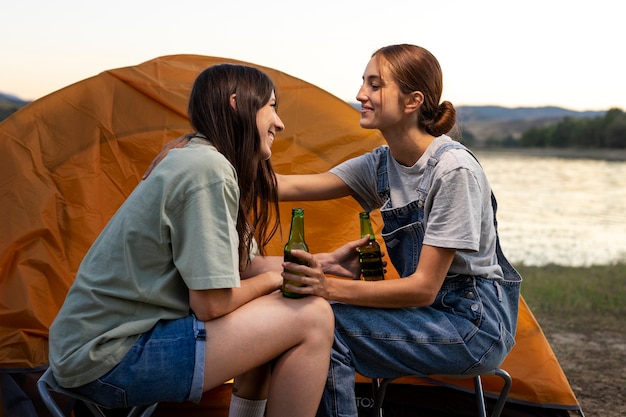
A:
x,y
607,131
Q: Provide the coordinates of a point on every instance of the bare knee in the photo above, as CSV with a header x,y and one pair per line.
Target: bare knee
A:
x,y
318,318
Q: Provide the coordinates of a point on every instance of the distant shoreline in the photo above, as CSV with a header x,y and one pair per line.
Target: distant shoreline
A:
x,y
567,153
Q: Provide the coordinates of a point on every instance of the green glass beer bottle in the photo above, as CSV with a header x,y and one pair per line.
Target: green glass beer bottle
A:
x,y
370,257
296,241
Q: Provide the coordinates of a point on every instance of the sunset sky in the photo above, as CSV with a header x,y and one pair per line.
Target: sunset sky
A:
x,y
517,53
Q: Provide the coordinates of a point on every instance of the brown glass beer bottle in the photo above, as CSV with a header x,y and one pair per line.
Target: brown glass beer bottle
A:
x,y
296,241
370,257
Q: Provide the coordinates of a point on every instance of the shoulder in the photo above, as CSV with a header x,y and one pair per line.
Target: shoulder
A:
x,y
455,156
200,161
377,156
195,171
204,154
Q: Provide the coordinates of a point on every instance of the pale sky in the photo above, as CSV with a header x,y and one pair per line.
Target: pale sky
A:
x,y
511,53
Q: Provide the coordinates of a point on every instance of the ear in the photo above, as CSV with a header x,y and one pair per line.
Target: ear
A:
x,y
414,101
233,101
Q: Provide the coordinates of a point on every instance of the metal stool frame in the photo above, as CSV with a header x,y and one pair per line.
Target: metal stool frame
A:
x,y
380,387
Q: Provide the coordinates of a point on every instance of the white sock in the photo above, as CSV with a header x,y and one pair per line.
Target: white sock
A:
x,y
241,407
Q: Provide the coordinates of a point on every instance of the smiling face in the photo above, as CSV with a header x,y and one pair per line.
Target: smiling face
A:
x,y
268,122
378,87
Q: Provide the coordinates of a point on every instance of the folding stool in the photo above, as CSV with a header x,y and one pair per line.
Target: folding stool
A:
x,y
380,386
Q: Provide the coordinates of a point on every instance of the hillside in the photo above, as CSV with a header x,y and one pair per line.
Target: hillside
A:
x,y
478,125
9,104
496,123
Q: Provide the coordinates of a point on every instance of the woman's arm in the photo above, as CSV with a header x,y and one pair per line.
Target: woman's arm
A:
x,y
263,277
417,290
324,186
210,304
261,264
310,187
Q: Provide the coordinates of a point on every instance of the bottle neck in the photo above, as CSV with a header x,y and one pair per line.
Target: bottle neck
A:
x,y
297,229
366,228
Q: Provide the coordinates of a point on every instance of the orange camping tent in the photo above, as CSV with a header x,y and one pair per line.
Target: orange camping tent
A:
x,y
68,161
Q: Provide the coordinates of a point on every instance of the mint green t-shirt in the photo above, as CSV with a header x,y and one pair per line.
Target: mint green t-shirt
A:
x,y
175,232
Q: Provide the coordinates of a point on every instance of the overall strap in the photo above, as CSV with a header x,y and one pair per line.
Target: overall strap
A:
x,y
382,187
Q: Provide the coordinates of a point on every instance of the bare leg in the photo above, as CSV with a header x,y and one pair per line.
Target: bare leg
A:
x,y
297,333
250,391
254,384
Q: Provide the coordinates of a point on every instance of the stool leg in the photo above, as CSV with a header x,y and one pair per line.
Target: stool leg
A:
x,y
95,410
379,387
480,396
143,411
44,392
497,410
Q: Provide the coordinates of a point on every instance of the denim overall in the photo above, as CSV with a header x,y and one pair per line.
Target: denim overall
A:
x,y
469,328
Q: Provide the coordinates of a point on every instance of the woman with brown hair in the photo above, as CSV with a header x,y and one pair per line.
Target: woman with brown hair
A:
x,y
455,309
173,298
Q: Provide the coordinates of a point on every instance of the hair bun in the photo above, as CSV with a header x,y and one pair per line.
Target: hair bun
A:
x,y
443,120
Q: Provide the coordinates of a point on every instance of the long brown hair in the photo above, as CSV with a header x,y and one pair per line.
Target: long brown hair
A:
x,y
235,134
416,69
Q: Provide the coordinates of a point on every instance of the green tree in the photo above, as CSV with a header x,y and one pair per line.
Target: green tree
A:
x,y
615,129
535,137
607,131
563,133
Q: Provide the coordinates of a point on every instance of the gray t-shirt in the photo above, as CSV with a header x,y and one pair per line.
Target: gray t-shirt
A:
x,y
457,211
175,232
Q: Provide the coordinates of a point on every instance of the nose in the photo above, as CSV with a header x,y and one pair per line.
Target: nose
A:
x,y
360,95
279,124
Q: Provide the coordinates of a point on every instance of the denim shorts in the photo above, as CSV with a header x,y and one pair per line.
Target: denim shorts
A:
x,y
165,364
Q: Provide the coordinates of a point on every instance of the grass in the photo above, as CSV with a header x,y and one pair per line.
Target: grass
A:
x,y
593,295
582,312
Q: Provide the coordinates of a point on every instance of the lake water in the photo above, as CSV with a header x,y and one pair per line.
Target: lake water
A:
x,y
559,211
